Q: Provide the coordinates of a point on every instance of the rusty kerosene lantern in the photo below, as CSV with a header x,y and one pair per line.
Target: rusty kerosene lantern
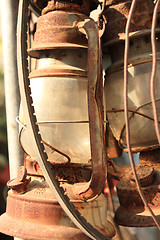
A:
x,y
133,97
67,95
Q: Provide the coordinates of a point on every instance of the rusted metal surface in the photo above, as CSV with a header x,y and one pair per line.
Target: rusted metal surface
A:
x,y
79,6
58,29
141,149
49,72
117,13
67,5
112,148
128,218
65,172
145,175
20,184
69,174
22,174
30,231
151,157
96,120
131,202
37,215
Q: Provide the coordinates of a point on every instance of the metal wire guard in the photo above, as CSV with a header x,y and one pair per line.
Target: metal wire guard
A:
x,y
126,110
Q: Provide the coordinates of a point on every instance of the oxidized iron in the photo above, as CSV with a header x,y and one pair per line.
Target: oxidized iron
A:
x,y
132,211
112,148
20,184
150,157
117,12
56,28
36,213
67,5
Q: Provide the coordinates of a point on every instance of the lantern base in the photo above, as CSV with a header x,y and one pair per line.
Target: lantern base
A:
x,y
28,230
129,218
132,211
36,214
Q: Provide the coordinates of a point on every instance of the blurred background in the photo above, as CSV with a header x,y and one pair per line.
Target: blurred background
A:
x,y
4,167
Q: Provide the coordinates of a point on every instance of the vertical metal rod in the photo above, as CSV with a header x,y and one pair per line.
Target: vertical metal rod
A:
x,y
9,9
154,65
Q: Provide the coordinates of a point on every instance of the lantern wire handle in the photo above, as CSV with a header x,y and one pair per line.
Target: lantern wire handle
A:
x,y
126,54
154,64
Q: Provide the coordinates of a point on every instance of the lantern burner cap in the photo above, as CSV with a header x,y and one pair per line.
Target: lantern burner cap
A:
x,y
145,175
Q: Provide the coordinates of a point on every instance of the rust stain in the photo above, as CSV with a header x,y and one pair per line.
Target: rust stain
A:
x,y
117,12
58,29
36,214
130,200
20,184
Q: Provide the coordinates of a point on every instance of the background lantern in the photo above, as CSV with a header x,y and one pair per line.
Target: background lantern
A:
x,y
139,68
59,86
138,134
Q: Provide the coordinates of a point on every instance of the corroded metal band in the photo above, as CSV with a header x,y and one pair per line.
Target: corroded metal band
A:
x,y
128,194
115,2
67,5
79,6
117,13
40,216
58,30
56,72
141,149
128,218
150,157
